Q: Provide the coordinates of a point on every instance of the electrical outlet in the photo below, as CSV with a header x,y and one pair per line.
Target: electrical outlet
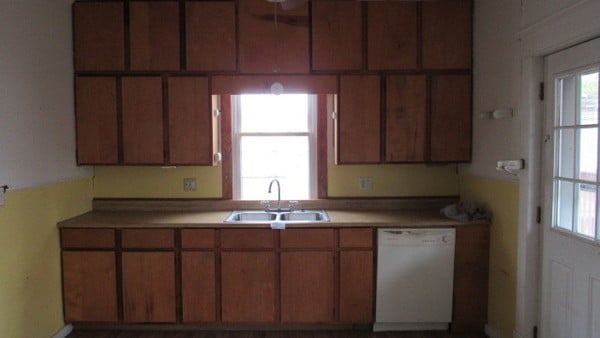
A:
x,y
189,184
365,183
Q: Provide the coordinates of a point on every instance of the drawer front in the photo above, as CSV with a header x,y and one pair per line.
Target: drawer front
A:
x,y
356,238
87,238
307,238
247,239
147,238
197,238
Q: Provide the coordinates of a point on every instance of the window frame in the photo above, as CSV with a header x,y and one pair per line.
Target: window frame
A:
x,y
237,134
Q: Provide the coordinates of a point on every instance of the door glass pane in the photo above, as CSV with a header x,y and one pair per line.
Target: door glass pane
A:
x,y
564,205
566,153
274,113
588,100
587,154
258,166
586,209
566,101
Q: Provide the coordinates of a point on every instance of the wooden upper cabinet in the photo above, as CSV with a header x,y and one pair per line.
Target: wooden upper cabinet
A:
x,y
154,35
210,36
359,120
190,121
392,35
99,36
336,35
262,45
450,118
96,112
405,117
447,34
142,120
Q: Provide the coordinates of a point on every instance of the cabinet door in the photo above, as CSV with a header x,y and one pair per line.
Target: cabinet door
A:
x,y
96,105
142,120
405,118
263,45
471,266
154,35
336,35
392,35
148,287
89,286
451,118
99,36
198,287
307,287
190,121
359,120
248,287
356,286
447,34
210,35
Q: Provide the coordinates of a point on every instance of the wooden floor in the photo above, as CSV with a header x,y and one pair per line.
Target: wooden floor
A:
x,y
263,334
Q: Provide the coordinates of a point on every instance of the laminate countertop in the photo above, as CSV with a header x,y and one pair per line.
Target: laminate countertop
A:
x,y
215,219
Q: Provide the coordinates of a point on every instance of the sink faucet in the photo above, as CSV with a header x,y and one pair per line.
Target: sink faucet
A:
x,y
278,192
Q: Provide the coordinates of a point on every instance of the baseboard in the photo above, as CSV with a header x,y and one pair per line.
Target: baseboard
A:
x,y
491,333
64,332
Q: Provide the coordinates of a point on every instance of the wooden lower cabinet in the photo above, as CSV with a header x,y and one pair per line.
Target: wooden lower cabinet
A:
x,y
198,287
307,287
148,287
89,286
356,286
248,287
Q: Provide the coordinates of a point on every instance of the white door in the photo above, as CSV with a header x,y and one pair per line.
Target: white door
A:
x,y
570,296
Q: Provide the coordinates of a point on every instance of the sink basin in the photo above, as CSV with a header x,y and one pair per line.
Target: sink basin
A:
x,y
262,216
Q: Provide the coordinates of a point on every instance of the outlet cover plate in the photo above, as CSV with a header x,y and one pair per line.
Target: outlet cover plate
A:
x,y
189,184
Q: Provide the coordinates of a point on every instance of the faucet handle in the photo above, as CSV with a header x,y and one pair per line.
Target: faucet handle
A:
x,y
292,205
265,205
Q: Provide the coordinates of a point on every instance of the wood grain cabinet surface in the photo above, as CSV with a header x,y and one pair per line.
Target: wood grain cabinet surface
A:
x,y
211,35
336,35
98,48
154,35
405,118
265,48
359,120
198,287
356,286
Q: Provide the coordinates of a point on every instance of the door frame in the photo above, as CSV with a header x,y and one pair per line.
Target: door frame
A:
x,y
538,40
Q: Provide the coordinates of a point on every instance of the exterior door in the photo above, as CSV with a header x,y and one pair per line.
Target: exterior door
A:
x,y
570,286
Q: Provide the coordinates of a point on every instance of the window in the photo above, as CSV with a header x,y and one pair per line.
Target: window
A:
x,y
575,176
274,137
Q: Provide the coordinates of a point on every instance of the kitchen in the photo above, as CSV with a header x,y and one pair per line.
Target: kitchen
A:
x,y
40,154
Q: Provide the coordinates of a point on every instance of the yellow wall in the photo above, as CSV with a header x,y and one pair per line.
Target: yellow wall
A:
x,y
155,182
502,198
30,280
388,181
399,180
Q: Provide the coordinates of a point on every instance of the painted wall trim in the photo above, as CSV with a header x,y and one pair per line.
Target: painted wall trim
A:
x,y
64,332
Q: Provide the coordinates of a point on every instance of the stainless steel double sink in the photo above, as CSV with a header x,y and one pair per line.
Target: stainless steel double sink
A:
x,y
270,216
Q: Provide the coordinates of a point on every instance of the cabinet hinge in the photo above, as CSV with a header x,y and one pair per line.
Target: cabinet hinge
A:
x,y
538,216
334,115
541,91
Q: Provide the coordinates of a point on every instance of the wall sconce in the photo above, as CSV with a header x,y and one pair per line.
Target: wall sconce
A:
x,y
497,114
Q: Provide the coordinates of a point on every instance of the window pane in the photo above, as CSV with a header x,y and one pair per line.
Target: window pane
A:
x,y
264,158
274,113
586,209
587,154
564,205
566,101
566,153
588,101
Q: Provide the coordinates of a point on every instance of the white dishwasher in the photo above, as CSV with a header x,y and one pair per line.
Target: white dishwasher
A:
x,y
415,269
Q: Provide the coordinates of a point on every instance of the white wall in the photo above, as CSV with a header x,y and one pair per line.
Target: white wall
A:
x,y
496,75
37,123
